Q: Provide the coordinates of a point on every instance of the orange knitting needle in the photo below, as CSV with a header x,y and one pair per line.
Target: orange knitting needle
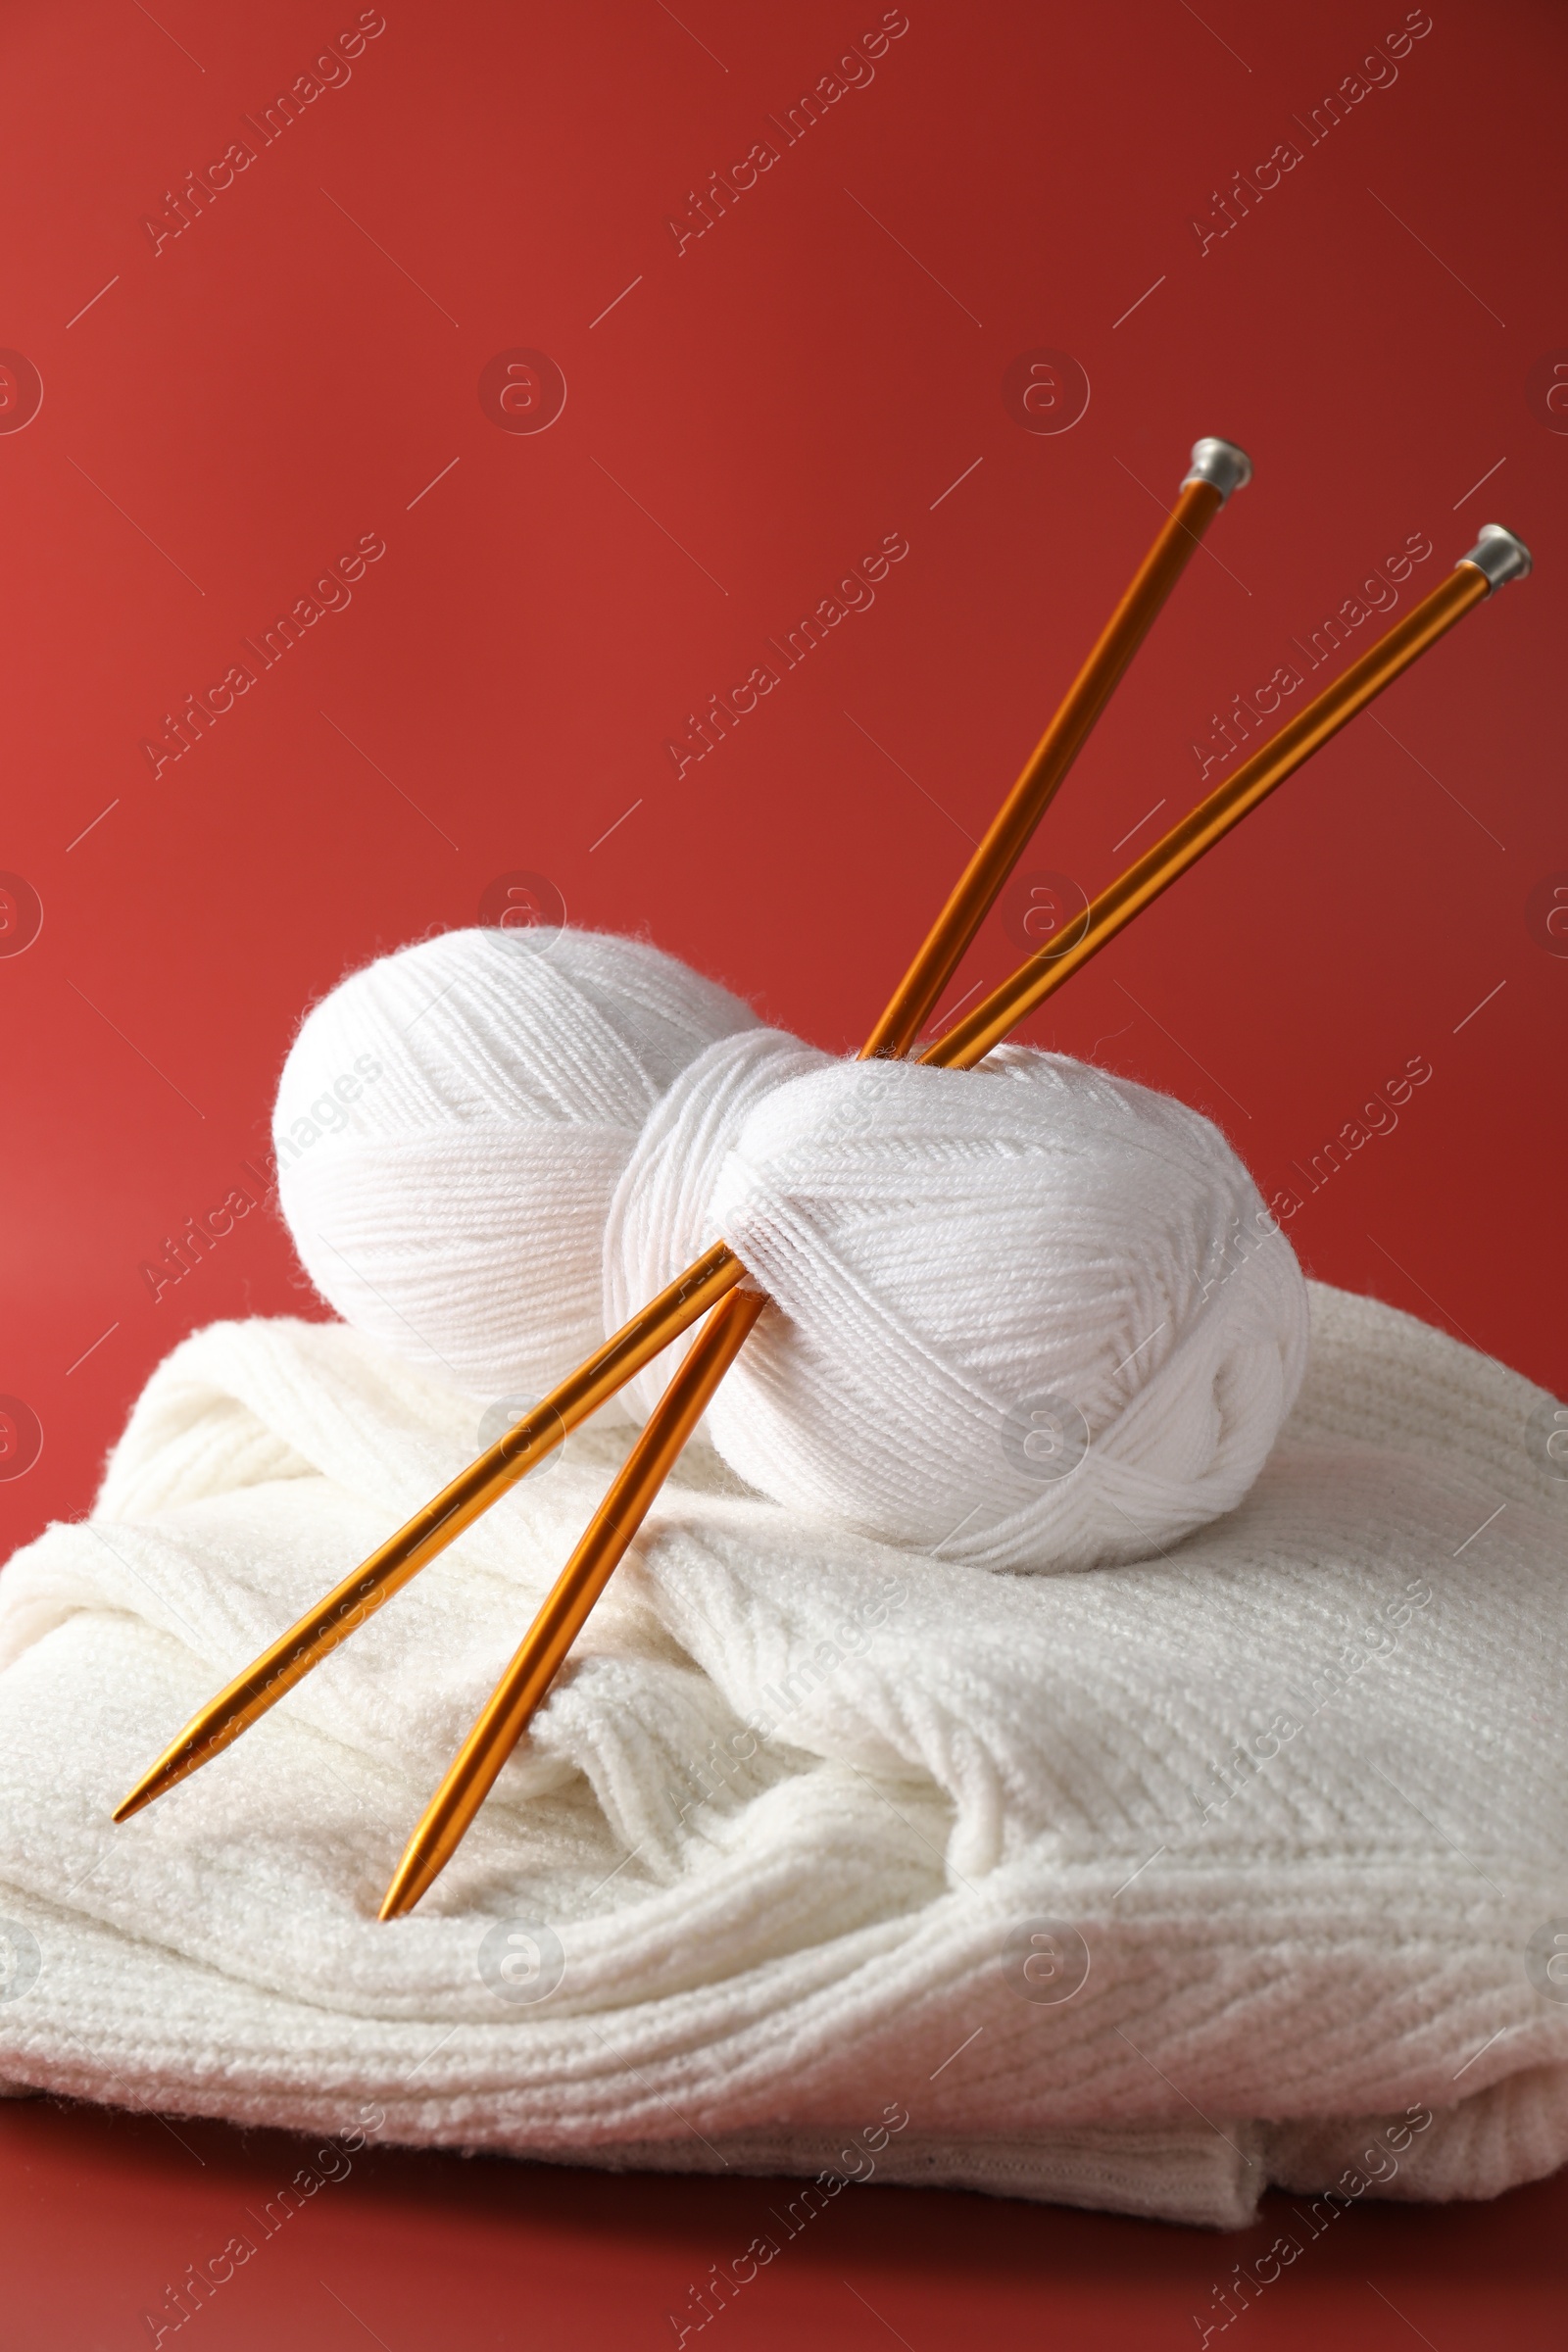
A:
x,y
1218,469
1496,559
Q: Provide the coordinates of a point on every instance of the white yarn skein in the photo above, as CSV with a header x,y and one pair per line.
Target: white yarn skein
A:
x,y
453,1205
1029,1316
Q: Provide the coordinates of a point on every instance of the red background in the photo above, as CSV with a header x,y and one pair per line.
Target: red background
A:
x,y
224,417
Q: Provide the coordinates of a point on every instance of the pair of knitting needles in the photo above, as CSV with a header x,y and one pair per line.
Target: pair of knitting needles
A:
x,y
711,1282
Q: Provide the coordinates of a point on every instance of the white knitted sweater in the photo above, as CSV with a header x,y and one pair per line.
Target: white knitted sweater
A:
x,y
809,1852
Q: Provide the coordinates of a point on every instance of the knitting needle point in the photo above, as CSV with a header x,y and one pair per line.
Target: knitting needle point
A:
x,y
447,1818
1217,470
1496,558
372,1584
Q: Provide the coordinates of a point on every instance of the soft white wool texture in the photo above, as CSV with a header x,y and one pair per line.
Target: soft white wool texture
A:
x,y
980,1279
799,1794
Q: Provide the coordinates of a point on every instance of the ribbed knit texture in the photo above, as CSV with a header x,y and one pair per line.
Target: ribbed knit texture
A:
x,y
800,1793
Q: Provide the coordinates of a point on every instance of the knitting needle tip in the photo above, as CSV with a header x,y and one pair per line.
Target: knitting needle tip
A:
x,y
207,1734
176,1764
416,1873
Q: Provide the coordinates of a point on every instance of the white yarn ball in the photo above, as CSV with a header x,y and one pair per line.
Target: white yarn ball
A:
x,y
1026,1316
451,1125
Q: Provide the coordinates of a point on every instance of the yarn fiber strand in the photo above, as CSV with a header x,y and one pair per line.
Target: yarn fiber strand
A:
x,y
1028,1316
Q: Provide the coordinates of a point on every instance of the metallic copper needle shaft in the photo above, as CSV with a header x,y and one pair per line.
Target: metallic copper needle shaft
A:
x,y
1496,559
1217,469
472,1773
428,1533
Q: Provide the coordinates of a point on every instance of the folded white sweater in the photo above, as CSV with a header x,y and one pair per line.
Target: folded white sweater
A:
x,y
1142,1887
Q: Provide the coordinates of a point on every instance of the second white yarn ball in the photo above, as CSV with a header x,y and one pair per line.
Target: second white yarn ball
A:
x,y
1027,1316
